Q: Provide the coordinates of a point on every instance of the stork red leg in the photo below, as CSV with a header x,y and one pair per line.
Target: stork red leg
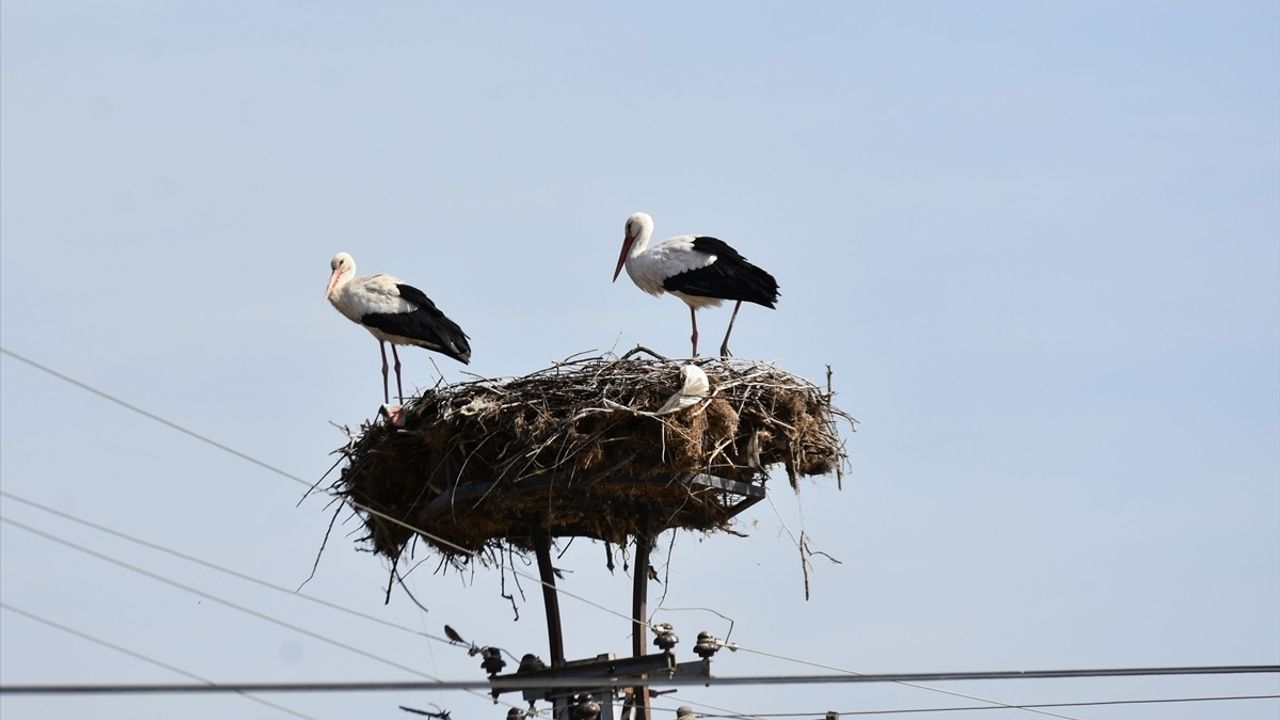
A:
x,y
386,394
724,346
693,317
399,390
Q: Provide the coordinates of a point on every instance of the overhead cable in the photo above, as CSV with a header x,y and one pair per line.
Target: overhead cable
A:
x,y
550,681
144,658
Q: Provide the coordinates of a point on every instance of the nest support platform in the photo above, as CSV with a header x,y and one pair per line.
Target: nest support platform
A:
x,y
607,509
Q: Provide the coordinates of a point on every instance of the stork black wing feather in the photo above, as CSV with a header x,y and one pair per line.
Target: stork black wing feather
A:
x,y
425,326
730,277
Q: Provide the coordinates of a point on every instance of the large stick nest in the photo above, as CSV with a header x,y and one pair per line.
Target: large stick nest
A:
x,y
575,450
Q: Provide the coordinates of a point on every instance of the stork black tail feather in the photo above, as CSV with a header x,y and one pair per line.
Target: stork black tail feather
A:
x,y
453,342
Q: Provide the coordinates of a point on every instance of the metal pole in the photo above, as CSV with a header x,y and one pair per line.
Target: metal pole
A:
x,y
551,601
639,601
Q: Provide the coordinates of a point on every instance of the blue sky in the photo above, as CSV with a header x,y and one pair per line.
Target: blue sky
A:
x,y
1039,243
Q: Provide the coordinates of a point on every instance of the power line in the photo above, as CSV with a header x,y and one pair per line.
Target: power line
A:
x,y
732,713
270,585
219,600
226,570
918,686
139,656
222,569
208,596
280,588
554,682
151,416
1023,706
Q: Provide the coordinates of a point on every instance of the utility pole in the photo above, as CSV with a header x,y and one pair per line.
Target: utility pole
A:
x,y
581,697
639,606
550,600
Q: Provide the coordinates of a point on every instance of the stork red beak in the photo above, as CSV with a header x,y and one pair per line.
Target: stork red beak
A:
x,y
622,256
333,280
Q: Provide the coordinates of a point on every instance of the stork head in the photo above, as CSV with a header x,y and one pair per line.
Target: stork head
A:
x,y
341,266
638,229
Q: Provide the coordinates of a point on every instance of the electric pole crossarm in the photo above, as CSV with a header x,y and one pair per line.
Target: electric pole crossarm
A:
x,y
607,668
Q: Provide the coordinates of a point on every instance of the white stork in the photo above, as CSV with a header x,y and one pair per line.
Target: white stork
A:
x,y
395,313
702,271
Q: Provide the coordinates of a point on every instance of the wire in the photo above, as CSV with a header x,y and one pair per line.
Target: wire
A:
x,y
1025,706
228,571
206,595
139,656
222,601
727,635
214,566
944,691
150,415
553,680
731,713
522,683
954,693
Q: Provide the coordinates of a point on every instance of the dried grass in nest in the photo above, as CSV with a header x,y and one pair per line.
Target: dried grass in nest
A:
x,y
486,464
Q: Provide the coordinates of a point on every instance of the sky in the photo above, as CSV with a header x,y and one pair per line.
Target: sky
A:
x,y
1037,243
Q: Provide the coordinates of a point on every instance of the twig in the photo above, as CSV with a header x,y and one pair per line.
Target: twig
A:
x,y
439,373
320,552
519,588
643,349
569,360
312,489
439,714
666,575
405,588
566,547
804,565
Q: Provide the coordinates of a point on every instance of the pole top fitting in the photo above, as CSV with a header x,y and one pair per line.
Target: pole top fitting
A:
x,y
491,660
666,636
707,645
531,662
584,707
